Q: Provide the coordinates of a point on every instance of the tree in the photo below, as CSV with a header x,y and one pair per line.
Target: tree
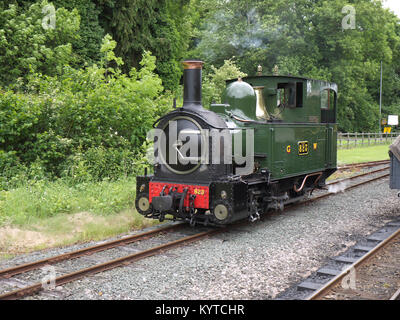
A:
x,y
86,46
26,46
163,27
214,83
305,37
91,120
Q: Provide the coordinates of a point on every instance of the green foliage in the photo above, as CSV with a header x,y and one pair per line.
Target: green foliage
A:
x,y
305,38
162,27
26,46
85,124
107,50
393,109
86,44
172,35
99,163
215,82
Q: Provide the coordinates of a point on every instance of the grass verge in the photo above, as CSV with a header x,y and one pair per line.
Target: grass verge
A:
x,y
46,214
363,154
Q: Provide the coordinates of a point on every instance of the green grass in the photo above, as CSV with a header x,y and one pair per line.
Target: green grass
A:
x,y
45,214
44,199
363,154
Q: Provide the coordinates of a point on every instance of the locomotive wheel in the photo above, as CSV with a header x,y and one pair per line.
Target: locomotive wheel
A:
x,y
143,204
222,211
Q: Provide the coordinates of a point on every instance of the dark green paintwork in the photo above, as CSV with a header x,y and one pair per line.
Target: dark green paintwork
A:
x,y
296,124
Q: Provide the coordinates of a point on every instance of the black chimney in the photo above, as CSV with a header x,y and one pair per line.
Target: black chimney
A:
x,y
192,84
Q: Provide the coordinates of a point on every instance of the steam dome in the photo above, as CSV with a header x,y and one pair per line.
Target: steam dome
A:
x,y
241,96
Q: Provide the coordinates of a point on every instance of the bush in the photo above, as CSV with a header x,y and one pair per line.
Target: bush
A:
x,y
99,164
85,124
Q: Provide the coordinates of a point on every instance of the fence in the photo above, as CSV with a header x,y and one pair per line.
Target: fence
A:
x,y
353,140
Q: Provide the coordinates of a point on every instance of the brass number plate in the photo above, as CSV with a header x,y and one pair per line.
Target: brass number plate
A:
x,y
303,148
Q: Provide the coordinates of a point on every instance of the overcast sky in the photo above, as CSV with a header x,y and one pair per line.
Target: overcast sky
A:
x,y
394,5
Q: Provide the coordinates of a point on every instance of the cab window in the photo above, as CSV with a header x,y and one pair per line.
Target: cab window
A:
x,y
328,106
290,95
325,101
328,99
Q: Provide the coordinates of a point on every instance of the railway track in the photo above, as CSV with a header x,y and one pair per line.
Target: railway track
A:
x,y
364,164
358,176
396,295
125,260
369,272
9,272
344,181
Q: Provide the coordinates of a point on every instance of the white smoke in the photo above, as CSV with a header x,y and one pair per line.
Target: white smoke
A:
x,y
337,187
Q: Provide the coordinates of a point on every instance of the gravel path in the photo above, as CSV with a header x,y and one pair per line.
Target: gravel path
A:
x,y
257,261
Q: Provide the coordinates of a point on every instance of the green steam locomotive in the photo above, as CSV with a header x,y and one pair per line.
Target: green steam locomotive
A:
x,y
272,140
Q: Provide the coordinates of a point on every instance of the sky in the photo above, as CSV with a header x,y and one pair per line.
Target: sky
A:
x,y
394,5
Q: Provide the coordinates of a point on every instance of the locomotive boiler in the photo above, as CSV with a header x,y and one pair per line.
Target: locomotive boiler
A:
x,y
271,141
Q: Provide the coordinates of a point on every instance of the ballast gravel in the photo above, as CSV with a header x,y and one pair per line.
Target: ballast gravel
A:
x,y
257,261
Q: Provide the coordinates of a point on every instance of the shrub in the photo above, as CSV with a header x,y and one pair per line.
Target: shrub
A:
x,y
84,123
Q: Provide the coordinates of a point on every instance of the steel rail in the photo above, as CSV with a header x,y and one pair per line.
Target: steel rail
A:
x,y
396,296
336,280
35,288
367,181
9,272
357,176
348,188
364,164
